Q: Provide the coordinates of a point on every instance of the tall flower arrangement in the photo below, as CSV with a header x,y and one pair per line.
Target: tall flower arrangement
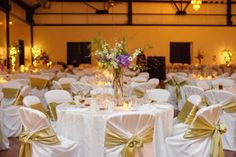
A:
x,y
115,57
13,54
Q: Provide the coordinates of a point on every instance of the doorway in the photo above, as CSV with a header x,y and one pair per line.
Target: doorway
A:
x,y
22,52
78,53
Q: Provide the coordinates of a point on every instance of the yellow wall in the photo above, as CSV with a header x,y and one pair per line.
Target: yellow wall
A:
x,y
20,30
211,40
3,47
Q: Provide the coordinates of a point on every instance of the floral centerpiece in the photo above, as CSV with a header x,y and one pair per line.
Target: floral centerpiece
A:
x,y
117,58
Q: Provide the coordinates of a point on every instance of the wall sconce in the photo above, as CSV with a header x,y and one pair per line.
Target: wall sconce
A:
x,y
227,56
196,4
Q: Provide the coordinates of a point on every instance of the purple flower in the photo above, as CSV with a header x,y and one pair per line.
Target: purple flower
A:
x,y
123,60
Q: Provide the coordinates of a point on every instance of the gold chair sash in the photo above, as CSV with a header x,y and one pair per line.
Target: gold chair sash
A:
x,y
138,93
178,85
10,93
185,111
52,110
1,136
113,139
191,115
39,83
45,136
202,128
39,107
230,107
66,86
19,100
204,102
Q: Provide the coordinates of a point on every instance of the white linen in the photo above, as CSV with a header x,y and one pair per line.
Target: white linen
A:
x,y
88,128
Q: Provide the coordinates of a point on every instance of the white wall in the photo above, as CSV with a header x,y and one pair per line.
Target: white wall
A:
x,y
212,40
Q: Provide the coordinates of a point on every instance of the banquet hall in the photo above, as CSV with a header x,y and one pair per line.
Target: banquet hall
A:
x,y
117,78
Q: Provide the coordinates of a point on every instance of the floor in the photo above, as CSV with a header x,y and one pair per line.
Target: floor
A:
x,y
15,145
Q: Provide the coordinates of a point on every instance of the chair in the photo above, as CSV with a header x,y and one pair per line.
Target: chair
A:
x,y
154,80
81,88
228,117
56,85
131,130
187,145
54,98
189,90
139,79
66,83
34,103
4,143
187,113
139,89
144,74
10,120
157,95
39,86
48,144
226,83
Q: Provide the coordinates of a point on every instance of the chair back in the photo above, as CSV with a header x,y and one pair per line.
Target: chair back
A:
x,y
33,120
219,97
189,90
57,96
157,95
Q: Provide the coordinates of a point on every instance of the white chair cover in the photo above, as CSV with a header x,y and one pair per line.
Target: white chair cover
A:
x,y
56,85
179,146
144,74
102,91
226,83
10,117
58,96
139,79
81,88
127,125
4,144
40,92
34,121
229,119
140,88
23,82
154,80
66,80
30,100
157,95
72,76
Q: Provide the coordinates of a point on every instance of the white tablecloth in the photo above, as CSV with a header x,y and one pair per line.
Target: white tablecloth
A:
x,y
88,128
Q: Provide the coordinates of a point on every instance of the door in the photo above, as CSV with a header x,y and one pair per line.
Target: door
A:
x,y
22,52
78,53
180,52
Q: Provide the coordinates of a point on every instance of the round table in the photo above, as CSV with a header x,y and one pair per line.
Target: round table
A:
x,y
88,127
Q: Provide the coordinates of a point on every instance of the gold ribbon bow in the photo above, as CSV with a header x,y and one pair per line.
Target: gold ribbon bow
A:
x,y
113,139
39,107
202,128
10,93
39,83
185,111
52,110
45,136
230,107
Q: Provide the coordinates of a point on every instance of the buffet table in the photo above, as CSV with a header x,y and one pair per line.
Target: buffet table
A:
x,y
86,127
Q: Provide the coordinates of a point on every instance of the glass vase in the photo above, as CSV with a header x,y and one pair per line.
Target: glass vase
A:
x,y
118,86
